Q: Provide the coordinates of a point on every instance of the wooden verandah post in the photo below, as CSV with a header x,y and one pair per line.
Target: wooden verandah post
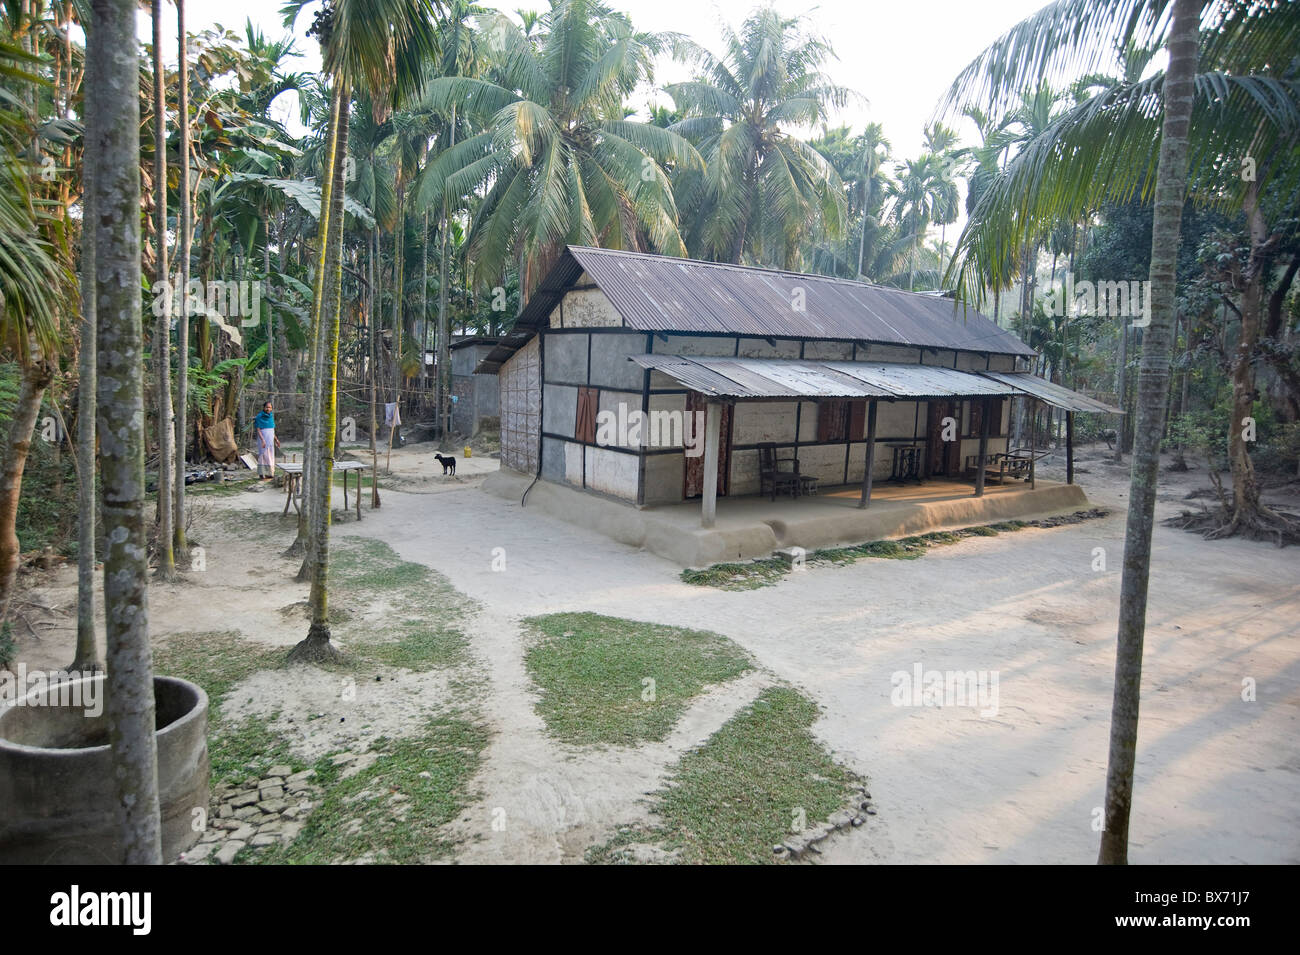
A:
x,y
712,434
871,455
984,448
1069,447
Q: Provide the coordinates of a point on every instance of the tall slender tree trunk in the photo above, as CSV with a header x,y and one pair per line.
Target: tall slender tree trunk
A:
x,y
424,304
304,544
316,647
36,377
114,148
86,657
270,312
399,275
162,332
1121,389
372,315
1153,392
1250,515
185,227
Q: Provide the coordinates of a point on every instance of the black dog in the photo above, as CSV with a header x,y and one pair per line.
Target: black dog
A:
x,y
448,463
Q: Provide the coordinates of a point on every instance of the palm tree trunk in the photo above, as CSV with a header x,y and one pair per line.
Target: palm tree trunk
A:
x,y
86,657
162,331
371,316
399,274
1153,392
270,312
444,328
304,544
185,226
114,149
316,647
424,304
1121,389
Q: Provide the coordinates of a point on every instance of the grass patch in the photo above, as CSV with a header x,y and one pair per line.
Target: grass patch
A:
x,y
591,670
734,798
360,816
364,565
423,604
216,662
749,575
420,646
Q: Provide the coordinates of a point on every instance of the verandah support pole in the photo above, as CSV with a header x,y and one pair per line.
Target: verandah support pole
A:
x,y
712,432
980,462
1033,442
865,501
1069,447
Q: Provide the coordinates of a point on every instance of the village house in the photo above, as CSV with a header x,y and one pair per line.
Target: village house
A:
x,y
804,387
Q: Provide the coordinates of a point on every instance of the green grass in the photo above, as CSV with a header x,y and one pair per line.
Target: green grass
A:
x,y
419,646
216,662
749,575
592,671
424,606
356,816
734,798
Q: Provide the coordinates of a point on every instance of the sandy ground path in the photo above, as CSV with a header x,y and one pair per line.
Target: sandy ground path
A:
x,y
1217,776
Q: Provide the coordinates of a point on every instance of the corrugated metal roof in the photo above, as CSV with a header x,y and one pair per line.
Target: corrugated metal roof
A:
x,y
667,294
1053,394
727,377
803,378
664,293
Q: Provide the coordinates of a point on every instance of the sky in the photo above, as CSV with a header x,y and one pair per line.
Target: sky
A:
x,y
899,56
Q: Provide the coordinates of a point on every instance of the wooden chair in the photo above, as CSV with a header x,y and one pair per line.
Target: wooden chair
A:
x,y
773,478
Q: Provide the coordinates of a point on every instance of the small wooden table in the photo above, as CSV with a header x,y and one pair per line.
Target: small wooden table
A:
x,y
293,483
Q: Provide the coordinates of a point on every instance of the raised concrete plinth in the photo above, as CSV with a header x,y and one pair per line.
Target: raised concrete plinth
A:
x,y
749,527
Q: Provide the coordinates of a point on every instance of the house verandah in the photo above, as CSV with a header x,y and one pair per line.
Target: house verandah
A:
x,y
864,386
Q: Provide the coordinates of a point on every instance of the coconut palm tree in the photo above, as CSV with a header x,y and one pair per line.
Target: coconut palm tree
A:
x,y
554,155
925,194
1150,138
379,46
764,189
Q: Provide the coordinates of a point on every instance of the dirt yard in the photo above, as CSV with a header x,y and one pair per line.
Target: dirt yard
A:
x,y
1216,778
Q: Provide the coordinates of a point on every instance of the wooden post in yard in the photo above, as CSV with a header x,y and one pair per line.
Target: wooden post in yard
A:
x,y
984,447
1033,442
1069,447
712,435
871,455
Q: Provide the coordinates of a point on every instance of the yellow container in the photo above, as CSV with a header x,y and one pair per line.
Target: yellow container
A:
x,y
467,451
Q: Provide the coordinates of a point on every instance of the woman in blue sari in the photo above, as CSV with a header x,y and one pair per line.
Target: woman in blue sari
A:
x,y
267,442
